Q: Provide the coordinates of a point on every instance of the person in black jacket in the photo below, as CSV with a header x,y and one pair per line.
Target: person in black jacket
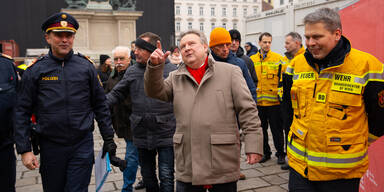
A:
x,y
120,116
152,121
250,48
8,86
105,69
239,52
219,44
64,92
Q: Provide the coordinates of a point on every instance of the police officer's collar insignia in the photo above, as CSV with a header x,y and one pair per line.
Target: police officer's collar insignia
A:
x,y
381,98
35,61
64,23
86,57
63,16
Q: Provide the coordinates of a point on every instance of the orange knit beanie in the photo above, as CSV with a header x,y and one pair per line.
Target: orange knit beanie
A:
x,y
219,36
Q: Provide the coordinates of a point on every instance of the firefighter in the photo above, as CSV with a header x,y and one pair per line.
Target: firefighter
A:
x,y
337,96
268,67
294,47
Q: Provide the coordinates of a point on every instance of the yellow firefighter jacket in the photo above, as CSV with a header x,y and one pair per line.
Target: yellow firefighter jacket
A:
x,y
286,60
328,138
268,71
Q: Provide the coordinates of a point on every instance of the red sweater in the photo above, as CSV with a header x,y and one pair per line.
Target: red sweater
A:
x,y
198,73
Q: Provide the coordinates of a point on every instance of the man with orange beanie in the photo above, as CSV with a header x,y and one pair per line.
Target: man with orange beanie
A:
x,y
219,42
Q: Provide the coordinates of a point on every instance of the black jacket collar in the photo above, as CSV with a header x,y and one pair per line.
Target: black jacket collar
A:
x,y
240,52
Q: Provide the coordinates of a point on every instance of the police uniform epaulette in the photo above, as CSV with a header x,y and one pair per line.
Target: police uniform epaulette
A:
x,y
35,61
6,56
86,57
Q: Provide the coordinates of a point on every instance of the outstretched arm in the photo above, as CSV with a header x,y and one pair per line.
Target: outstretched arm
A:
x,y
154,84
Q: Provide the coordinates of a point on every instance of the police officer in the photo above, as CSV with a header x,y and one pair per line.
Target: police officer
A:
x,y
8,83
64,92
337,96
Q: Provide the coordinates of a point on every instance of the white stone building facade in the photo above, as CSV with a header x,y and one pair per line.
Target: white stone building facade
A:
x,y
205,15
283,20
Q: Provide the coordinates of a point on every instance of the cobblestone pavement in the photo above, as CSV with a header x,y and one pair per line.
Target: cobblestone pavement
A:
x,y
266,177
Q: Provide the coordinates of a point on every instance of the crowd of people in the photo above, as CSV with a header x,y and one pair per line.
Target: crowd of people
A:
x,y
184,113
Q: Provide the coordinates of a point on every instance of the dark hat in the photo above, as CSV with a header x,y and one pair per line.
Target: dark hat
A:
x,y
235,34
60,22
103,58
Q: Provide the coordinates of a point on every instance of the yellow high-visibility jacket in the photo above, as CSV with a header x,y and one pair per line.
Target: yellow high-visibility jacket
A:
x,y
286,60
328,138
268,71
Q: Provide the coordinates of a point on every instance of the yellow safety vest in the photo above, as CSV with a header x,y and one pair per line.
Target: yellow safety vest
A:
x,y
268,71
328,139
22,66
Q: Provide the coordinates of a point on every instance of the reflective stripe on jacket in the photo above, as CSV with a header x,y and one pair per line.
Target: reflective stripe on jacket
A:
x,y
329,134
268,71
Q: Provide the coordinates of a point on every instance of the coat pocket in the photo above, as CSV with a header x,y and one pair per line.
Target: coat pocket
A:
x,y
165,119
179,151
340,104
346,143
299,104
135,121
346,150
225,151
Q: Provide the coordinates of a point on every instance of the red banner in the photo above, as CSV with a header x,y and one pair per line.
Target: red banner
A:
x,y
373,179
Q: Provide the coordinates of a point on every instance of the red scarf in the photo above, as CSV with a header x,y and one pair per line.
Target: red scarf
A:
x,y
198,73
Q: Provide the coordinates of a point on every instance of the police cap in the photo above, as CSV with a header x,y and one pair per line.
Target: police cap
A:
x,y
60,22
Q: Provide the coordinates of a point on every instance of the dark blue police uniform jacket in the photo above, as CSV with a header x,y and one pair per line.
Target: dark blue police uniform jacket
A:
x,y
8,84
65,95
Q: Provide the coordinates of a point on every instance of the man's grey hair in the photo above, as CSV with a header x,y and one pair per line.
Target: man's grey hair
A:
x,y
330,18
123,49
295,36
203,38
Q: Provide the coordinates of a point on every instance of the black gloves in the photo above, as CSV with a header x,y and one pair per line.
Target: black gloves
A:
x,y
110,147
117,162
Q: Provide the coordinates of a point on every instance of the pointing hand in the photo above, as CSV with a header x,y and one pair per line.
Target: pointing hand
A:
x,y
158,57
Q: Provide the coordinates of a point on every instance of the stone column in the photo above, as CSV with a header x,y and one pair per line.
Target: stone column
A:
x,y
102,30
